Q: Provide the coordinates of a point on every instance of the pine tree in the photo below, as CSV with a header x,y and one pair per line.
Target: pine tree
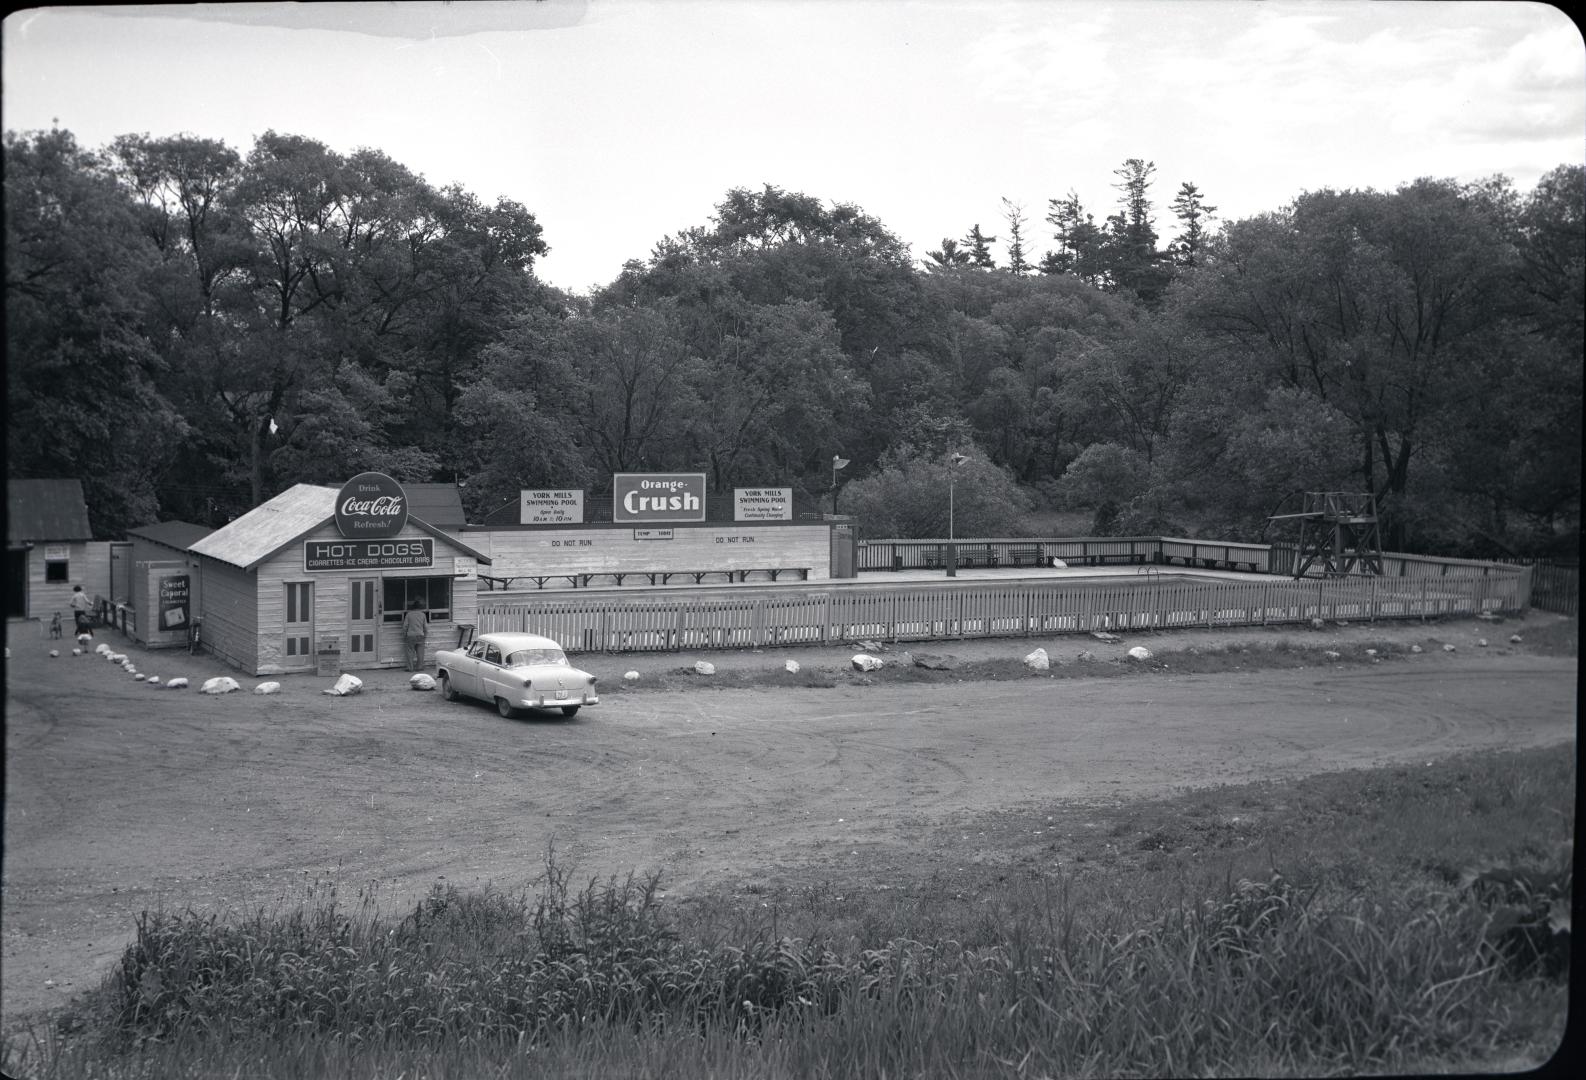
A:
x,y
951,256
1189,206
1014,214
980,249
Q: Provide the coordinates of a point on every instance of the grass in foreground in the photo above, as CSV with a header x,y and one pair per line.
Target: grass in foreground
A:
x,y
1343,923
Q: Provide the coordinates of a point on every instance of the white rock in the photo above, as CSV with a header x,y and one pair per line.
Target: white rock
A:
x,y
1038,660
1514,639
791,667
1317,624
77,652
267,688
139,678
1059,563
1481,642
630,676
704,667
101,648
347,684
421,681
152,680
177,683
55,652
866,662
1140,652
1371,652
1416,649
1448,648
220,684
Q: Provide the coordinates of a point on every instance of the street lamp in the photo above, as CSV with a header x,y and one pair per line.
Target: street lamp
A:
x,y
838,462
952,478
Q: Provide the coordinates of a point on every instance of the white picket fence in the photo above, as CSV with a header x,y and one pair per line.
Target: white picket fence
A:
x,y
923,611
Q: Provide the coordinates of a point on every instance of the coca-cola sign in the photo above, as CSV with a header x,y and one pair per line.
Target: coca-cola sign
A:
x,y
371,506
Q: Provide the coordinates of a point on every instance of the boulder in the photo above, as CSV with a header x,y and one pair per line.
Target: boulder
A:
x,y
421,681
220,684
1371,652
1514,639
102,649
1037,660
1448,648
1139,652
704,667
1057,563
630,676
791,667
153,680
1416,649
1317,624
1481,643
866,662
139,678
55,652
77,652
347,684
935,663
178,683
267,688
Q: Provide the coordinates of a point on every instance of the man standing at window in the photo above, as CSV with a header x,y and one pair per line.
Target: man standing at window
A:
x,y
81,606
415,628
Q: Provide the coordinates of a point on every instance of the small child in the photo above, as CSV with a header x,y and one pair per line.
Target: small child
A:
x,y
55,626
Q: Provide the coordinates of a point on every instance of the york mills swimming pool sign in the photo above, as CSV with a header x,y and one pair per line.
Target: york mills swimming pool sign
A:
x,y
642,497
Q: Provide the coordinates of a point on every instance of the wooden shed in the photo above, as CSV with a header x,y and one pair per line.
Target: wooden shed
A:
x,y
284,589
50,548
158,577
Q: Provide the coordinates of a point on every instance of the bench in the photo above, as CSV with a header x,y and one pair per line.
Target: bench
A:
x,y
969,556
1027,554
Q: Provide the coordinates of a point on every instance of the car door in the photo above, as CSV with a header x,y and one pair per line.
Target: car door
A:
x,y
490,672
464,671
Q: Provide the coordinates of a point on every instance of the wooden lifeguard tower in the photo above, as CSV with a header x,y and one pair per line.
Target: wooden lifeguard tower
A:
x,y
1338,529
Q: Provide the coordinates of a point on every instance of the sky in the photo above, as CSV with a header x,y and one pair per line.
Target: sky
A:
x,y
619,122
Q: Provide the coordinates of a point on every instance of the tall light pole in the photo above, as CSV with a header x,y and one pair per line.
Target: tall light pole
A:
x,y
952,478
838,462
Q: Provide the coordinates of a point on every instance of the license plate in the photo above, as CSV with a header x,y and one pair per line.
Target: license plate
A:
x,y
561,694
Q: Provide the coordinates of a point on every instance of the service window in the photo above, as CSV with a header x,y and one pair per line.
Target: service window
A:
x,y
434,595
57,570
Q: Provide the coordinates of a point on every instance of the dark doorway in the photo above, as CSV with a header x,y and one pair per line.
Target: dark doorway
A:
x,y
17,584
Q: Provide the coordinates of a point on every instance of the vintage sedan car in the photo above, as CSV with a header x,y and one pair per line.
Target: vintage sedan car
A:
x,y
516,671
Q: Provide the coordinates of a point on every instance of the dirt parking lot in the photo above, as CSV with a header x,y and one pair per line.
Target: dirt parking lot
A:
x,y
121,797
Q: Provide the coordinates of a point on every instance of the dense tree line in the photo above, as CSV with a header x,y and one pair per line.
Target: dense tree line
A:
x,y
190,329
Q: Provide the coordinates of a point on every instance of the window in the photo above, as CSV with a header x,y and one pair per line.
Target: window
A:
x,y
57,570
492,655
434,595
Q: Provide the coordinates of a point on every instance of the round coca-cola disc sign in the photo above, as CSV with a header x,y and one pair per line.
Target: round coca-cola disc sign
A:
x,y
371,506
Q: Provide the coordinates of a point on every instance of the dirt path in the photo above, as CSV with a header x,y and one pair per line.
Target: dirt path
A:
x,y
121,797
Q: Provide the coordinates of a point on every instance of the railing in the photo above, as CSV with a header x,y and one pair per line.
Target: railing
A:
x,y
1009,551
938,610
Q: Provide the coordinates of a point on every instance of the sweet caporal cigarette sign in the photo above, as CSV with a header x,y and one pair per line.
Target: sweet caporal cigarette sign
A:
x,y
640,497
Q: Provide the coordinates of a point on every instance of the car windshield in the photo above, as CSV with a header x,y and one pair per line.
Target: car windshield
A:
x,y
526,657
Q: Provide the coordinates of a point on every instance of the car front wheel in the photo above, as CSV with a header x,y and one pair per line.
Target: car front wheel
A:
x,y
446,688
504,709
569,710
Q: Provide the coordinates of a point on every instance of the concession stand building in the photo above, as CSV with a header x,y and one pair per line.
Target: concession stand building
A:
x,y
317,579
49,549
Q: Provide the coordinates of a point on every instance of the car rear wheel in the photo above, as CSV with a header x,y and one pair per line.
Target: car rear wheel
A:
x,y
446,688
569,710
504,709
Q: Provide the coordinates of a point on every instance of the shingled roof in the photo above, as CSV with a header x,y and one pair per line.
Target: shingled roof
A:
x,y
290,516
439,504
177,534
46,510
